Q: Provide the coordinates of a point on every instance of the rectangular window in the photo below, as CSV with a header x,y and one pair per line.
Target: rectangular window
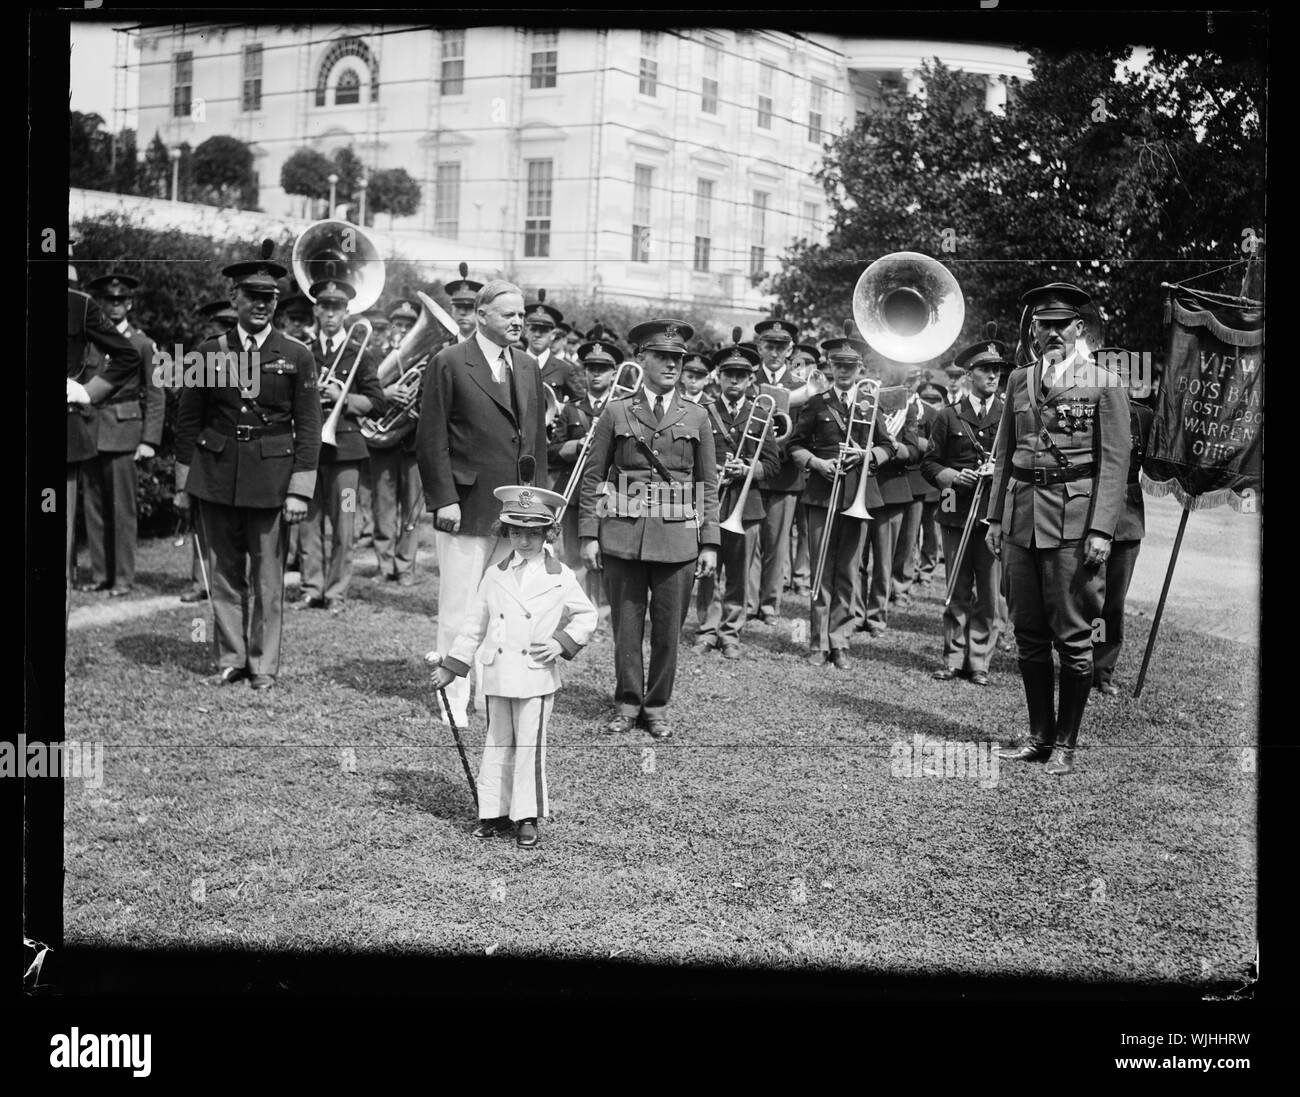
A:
x,y
709,82
545,52
446,201
812,219
649,72
642,190
182,84
766,81
758,235
537,223
252,99
703,218
453,62
816,108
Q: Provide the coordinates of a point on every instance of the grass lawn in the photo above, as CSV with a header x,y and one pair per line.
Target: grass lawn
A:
x,y
775,829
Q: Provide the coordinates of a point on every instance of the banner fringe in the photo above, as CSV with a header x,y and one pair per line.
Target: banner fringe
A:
x,y
1203,318
1241,503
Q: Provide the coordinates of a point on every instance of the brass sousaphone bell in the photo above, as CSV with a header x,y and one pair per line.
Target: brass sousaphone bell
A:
x,y
908,307
339,250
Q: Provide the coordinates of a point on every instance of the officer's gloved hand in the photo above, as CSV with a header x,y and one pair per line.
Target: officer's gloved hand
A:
x,y
77,393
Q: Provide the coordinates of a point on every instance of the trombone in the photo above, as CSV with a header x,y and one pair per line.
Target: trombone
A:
x,y
763,410
617,391
849,453
328,433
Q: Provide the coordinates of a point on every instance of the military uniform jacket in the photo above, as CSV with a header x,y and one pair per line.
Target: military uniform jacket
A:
x,y
571,425
727,435
469,439
921,487
505,620
951,448
134,413
88,325
351,444
791,477
213,463
818,432
563,376
1087,417
635,516
1132,523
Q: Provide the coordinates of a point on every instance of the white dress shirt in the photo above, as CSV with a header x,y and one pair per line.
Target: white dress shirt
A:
x,y
493,354
667,398
259,337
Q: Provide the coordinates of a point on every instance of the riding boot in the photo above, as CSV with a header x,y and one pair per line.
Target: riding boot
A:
x,y
1074,699
1040,683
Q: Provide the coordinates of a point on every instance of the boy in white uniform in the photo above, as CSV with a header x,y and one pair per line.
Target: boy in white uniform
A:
x,y
529,611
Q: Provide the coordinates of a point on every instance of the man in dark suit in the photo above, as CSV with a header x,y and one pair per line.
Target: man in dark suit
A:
x,y
130,426
247,442
539,329
775,340
724,594
86,390
1057,495
820,430
961,445
481,411
1124,546
658,528
327,571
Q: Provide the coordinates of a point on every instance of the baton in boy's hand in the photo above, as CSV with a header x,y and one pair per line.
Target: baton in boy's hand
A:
x,y
435,659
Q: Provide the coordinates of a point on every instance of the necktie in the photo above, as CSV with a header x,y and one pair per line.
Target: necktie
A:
x,y
844,400
659,409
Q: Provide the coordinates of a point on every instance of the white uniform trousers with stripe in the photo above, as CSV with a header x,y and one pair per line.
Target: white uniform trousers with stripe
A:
x,y
462,560
512,776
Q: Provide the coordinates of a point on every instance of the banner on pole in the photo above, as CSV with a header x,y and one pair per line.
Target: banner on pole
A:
x,y
1207,436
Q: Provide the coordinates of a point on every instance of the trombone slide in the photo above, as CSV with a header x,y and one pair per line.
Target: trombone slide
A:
x,y
329,432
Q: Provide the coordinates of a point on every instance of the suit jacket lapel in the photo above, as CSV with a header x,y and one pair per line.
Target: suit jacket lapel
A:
x,y
481,372
523,391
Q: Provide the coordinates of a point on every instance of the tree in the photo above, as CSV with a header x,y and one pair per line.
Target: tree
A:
x,y
394,192
89,152
307,172
223,172
350,169
155,178
125,179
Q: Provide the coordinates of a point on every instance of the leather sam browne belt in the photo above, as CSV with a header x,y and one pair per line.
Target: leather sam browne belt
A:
x,y
247,433
1045,476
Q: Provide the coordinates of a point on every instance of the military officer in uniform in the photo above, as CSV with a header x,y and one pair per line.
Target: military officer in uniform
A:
x,y
463,293
1124,546
87,388
659,527
539,325
724,593
129,428
694,378
961,444
906,549
1057,495
327,572
247,458
815,443
956,382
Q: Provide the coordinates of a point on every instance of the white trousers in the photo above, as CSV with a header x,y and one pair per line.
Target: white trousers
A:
x,y
462,560
512,776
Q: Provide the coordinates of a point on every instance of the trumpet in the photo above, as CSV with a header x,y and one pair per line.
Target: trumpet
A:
x,y
328,433
849,453
764,411
617,391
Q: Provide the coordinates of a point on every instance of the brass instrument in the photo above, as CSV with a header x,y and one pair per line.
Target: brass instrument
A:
x,y
617,391
407,363
328,433
552,406
764,410
850,453
342,252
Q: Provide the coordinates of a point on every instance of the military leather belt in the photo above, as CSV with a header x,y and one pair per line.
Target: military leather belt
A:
x,y
243,432
1045,476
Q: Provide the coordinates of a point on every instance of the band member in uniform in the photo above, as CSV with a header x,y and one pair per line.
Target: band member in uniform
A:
x,y
396,492
933,400
906,549
1057,495
327,573
695,376
820,429
961,444
539,325
527,613
803,361
293,317
956,382
776,338
463,293
652,539
247,457
129,428
86,391
218,316
481,411
1124,546
729,414
560,343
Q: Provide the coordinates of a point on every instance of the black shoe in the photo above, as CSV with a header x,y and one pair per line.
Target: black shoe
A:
x,y
620,725
95,588
840,659
492,828
731,651
701,646
1061,762
527,836
1073,700
406,579
310,601
195,596
338,607
768,616
818,658
230,676
263,681
1032,751
120,592
947,674
979,677
658,728
1107,689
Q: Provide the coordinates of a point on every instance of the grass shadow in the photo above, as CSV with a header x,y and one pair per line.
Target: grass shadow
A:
x,y
397,677
907,718
152,649
432,792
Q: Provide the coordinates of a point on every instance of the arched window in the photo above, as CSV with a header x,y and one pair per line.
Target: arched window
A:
x,y
348,89
339,50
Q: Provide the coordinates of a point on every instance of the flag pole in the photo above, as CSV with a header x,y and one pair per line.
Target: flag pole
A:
x,y
1160,606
